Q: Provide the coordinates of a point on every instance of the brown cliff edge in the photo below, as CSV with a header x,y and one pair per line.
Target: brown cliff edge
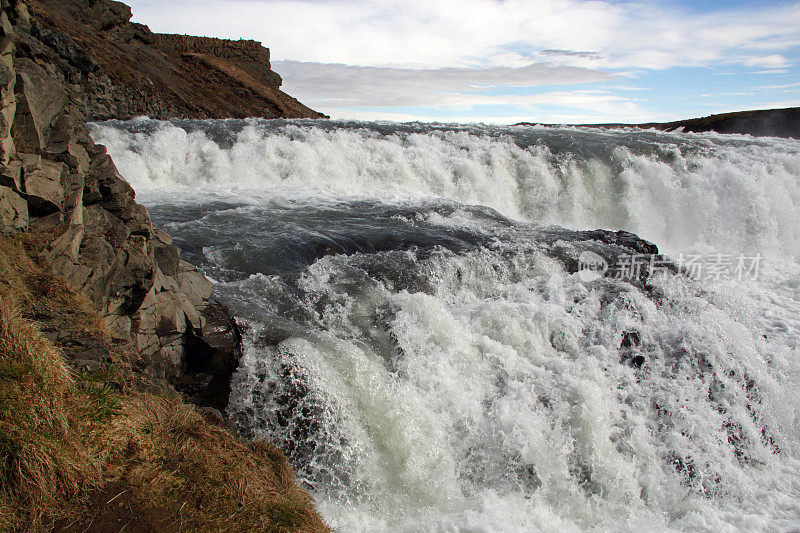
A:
x,y
117,69
105,333
759,123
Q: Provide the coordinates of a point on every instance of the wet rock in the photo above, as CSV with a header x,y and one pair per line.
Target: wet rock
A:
x,y
630,339
630,349
624,239
212,351
637,361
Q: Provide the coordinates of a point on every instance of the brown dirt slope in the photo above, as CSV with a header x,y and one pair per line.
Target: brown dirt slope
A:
x,y
121,69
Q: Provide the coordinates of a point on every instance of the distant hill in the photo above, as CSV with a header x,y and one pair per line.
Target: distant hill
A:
x,y
762,123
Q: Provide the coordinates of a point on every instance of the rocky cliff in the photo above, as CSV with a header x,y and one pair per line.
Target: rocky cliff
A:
x,y
114,68
759,123
55,182
100,319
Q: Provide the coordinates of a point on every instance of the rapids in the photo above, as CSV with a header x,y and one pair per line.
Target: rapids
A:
x,y
424,343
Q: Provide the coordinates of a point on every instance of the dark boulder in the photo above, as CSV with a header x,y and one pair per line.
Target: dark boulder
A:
x,y
212,356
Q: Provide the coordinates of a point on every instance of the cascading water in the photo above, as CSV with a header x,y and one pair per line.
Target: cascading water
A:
x,y
423,343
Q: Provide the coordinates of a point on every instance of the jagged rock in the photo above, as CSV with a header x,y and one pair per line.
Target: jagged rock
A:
x,y
120,69
194,284
46,224
162,236
66,144
68,243
8,80
43,187
66,49
11,176
13,211
167,257
214,351
22,17
30,161
122,270
39,99
107,15
99,239
105,185
170,315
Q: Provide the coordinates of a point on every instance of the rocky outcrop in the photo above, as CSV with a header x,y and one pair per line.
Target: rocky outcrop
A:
x,y
762,123
54,181
8,81
241,50
115,68
225,55
759,123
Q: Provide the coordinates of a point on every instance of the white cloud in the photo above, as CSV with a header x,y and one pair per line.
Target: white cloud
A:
x,y
442,56
779,86
774,61
340,90
468,33
336,85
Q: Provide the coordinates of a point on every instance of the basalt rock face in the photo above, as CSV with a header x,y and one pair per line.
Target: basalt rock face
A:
x,y
117,69
54,181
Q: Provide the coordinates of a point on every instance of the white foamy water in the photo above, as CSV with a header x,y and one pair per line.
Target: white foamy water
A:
x,y
678,190
430,366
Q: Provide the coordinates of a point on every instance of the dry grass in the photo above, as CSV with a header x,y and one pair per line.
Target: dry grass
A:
x,y
38,292
83,451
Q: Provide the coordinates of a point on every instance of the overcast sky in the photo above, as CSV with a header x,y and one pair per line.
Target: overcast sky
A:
x,y
494,61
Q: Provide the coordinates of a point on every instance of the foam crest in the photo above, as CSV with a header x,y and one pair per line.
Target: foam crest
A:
x,y
682,191
501,398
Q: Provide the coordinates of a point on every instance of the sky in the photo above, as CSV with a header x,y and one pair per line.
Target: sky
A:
x,y
507,61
